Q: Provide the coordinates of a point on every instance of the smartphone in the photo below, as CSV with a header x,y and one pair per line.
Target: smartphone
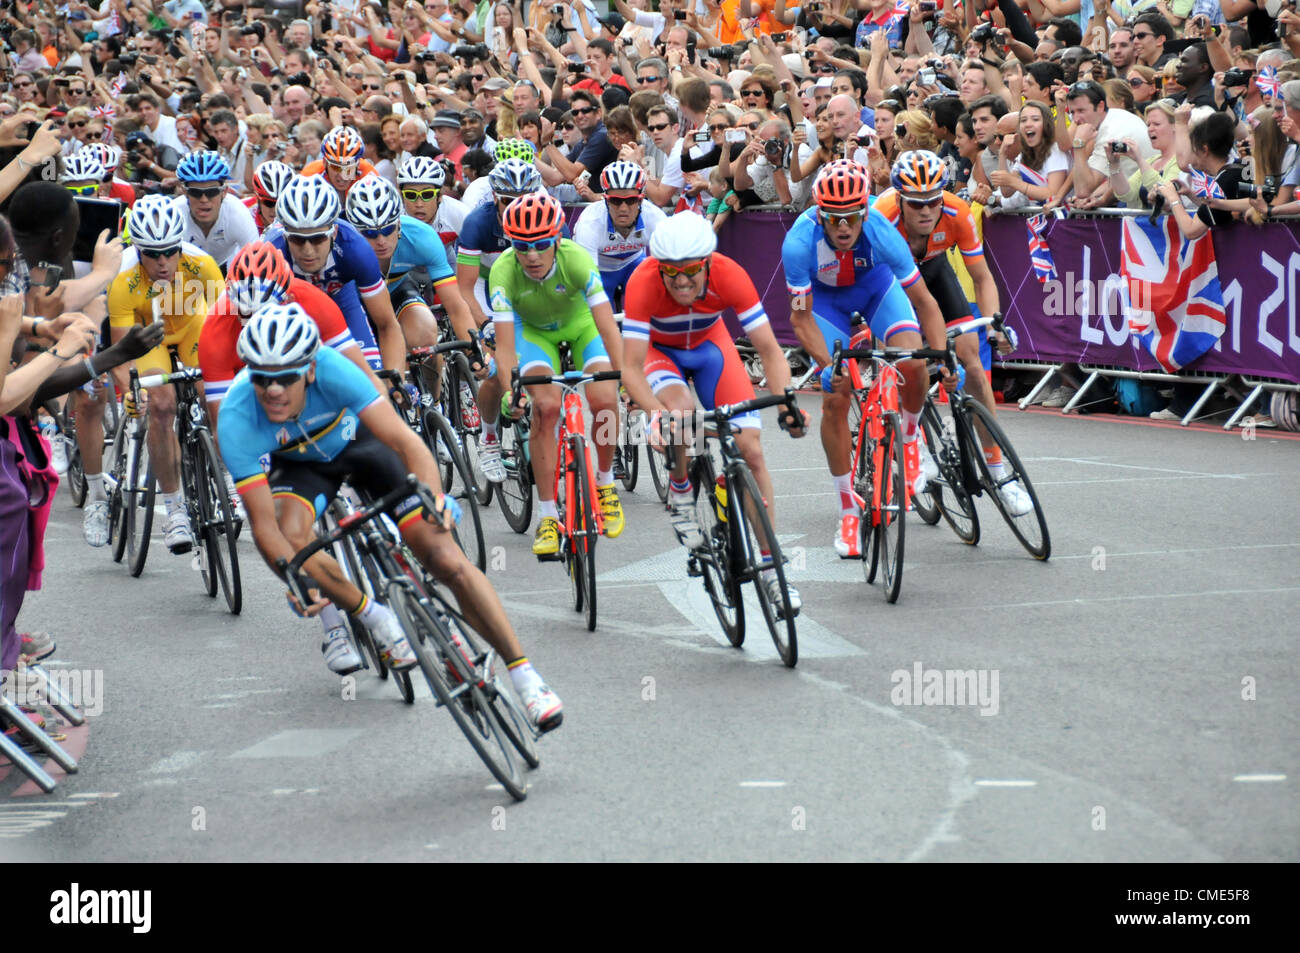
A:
x,y
679,14
735,135
96,215
53,275
702,137
31,129
585,177
780,37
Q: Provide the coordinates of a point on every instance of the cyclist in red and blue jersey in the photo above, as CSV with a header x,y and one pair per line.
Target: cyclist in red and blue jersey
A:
x,y
673,333
843,257
269,180
333,256
616,230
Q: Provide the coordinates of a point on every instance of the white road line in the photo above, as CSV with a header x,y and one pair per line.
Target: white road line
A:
x,y
1260,777
1136,598
988,783
494,787
90,794
1148,479
25,805
1133,466
762,784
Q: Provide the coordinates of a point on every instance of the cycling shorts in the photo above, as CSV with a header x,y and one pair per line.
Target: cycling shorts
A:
x,y
540,349
370,466
953,304
406,291
713,365
888,313
615,282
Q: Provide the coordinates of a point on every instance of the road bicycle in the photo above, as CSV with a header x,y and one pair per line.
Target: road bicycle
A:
x,y
734,524
964,472
66,424
580,516
457,400
462,674
631,420
131,488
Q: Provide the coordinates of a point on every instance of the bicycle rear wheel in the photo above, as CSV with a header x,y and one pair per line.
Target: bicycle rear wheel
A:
x,y
715,562
1031,527
116,494
454,685
891,508
220,526
469,533
864,477
581,546
515,493
658,467
627,449
949,491
923,503
138,501
751,524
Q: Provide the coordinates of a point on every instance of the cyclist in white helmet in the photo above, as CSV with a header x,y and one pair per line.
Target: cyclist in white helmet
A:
x,y
421,180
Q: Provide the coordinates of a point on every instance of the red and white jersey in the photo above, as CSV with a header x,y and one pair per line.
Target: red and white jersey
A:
x,y
651,313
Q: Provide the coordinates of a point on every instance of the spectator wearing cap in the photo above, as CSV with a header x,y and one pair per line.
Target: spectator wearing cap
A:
x,y
451,143
595,151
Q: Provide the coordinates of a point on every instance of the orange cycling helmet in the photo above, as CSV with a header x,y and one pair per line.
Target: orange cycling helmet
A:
x,y
842,187
342,145
918,172
258,275
532,217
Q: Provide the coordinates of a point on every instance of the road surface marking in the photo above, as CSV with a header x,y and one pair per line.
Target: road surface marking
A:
x,y
762,784
1260,777
988,783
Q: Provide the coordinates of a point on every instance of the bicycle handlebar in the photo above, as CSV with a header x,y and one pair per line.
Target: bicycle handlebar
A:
x,y
724,412
158,380
443,347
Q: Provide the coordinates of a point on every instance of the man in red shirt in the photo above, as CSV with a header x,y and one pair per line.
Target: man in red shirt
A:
x,y
600,66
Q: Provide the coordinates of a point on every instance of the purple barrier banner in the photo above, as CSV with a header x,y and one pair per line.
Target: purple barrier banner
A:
x,y
1079,315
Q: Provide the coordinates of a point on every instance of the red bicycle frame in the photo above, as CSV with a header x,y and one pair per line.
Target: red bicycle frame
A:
x,y
881,397
572,421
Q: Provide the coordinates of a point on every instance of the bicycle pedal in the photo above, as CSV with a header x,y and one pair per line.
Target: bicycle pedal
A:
x,y
693,569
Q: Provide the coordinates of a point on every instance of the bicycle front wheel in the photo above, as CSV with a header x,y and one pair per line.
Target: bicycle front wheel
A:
x,y
138,501
631,462
499,691
581,545
923,503
1026,520
469,532
715,563
220,526
515,493
117,494
751,526
949,491
454,685
658,467
890,506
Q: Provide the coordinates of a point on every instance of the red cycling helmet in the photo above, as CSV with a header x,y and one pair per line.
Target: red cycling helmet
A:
x,y
532,217
842,188
258,275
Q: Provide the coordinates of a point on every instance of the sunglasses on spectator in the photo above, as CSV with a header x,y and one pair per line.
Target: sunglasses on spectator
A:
x,y
21,85
751,126
373,87
94,135
827,68
1143,36
648,79
76,91
378,232
1138,81
583,111
929,203
568,127
77,125
658,127
752,92
285,378
480,77
420,195
690,271
893,105
83,189
618,200
316,238
842,218
157,253
542,244
209,193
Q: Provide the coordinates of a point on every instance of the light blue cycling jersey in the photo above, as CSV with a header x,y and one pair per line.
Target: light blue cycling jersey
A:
x,y
419,246
328,423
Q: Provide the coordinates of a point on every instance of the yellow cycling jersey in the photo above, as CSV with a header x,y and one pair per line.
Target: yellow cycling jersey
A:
x,y
181,304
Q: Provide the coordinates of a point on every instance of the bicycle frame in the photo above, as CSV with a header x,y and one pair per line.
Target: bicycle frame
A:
x,y
879,396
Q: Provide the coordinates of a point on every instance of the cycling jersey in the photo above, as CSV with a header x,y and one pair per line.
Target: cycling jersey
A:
x,y
255,207
868,278
482,240
420,246
479,192
351,272
134,300
448,222
233,229
217,354
616,256
317,167
557,308
694,344
956,226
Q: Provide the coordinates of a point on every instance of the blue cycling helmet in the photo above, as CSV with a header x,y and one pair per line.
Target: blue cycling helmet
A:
x,y
203,167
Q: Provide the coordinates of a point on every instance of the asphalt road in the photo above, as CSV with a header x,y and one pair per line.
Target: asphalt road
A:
x,y
1145,705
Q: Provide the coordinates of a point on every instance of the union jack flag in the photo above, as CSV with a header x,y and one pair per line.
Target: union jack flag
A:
x,y
1268,83
1172,294
1203,185
105,113
1040,256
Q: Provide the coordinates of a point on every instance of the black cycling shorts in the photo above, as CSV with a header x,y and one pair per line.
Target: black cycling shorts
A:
x,y
943,284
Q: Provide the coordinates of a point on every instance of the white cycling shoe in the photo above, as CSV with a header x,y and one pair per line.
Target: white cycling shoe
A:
x,y
489,460
179,539
340,657
393,645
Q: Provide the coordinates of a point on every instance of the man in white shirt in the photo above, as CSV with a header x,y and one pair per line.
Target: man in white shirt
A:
x,y
161,128
662,123
1093,126
215,220
224,125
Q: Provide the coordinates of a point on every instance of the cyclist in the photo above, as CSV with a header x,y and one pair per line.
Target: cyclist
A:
x,y
546,290
216,221
412,259
83,173
673,333
115,188
332,256
481,242
340,163
421,180
841,257
177,283
342,429
616,230
269,180
932,221
479,192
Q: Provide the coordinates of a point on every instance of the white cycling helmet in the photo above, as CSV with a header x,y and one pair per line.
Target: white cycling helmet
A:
x,y
683,237
84,165
270,178
278,336
514,177
307,203
373,202
421,170
108,154
156,222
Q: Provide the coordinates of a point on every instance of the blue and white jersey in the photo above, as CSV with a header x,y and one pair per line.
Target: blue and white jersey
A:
x,y
879,258
613,252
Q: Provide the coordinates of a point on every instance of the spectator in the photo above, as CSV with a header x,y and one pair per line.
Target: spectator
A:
x,y
1095,125
664,190
764,166
1123,55
600,69
1141,188
985,113
377,152
1119,95
1195,76
1146,86
413,136
161,129
232,146
1038,172
595,152
1150,33
446,129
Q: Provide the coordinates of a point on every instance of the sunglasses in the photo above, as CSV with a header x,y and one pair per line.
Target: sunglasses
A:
x,y
827,69
95,135
1137,81
1143,36
618,200
317,238
583,111
76,92
83,189
373,87
643,80
480,77
24,85
568,127
156,253
343,168
660,127
751,126
420,195
928,203
690,271
208,193
842,218
286,378
542,244
77,125
378,232
751,92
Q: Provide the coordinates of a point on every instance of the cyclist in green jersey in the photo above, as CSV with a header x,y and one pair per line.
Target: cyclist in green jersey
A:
x,y
543,290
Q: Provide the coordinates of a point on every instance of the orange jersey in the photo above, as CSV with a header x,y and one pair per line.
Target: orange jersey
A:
x,y
956,226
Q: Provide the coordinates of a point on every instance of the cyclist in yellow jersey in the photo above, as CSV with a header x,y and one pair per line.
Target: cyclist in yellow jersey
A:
x,y
175,283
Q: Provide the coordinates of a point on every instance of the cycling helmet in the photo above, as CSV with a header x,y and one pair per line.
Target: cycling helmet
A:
x,y
82,166
257,276
918,172
623,176
203,167
514,149
307,203
532,217
109,154
270,178
279,335
373,203
342,145
515,177
683,237
421,170
157,222
842,187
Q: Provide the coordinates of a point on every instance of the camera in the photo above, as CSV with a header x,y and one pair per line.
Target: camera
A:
x,y
702,136
929,6
983,33
425,57
1236,77
471,51
248,31
176,34
774,149
679,14
809,54
725,52
926,77
780,37
1267,191
128,59
557,9
1119,148
299,79
577,68
734,135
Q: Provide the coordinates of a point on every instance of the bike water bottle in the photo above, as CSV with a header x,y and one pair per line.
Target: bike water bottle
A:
x,y
720,497
468,408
